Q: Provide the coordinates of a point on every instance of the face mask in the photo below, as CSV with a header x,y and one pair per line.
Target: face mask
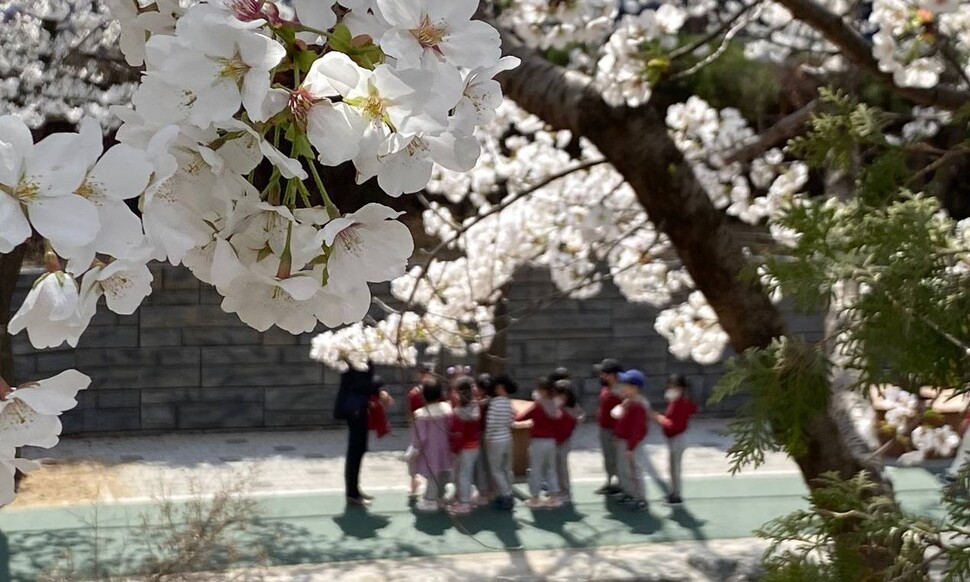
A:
x,y
560,402
671,394
536,395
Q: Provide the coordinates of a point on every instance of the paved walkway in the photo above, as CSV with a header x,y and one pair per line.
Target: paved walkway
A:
x,y
88,500
139,467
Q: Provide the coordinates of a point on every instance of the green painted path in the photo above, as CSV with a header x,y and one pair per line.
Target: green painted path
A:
x,y
317,528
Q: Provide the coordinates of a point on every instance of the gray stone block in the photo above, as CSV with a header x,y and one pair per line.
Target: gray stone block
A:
x,y
278,418
104,317
579,350
118,398
301,355
87,399
278,337
220,415
209,296
173,297
179,278
540,352
55,362
219,336
178,316
155,356
72,422
101,336
21,344
144,376
255,354
182,395
151,337
118,419
24,366
262,375
300,398
133,319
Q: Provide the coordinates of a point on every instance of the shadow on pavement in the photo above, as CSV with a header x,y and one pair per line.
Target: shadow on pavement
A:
x,y
431,523
685,519
640,522
357,522
501,523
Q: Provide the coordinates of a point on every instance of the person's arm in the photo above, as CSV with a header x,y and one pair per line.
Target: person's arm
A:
x,y
527,414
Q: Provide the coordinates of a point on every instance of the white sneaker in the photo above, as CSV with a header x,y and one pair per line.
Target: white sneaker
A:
x,y
427,505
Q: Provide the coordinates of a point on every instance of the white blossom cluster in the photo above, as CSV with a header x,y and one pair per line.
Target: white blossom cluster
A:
x,y
621,72
29,417
707,137
571,225
911,36
941,441
391,86
52,65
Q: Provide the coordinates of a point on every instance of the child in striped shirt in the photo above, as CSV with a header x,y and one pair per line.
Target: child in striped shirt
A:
x,y
498,438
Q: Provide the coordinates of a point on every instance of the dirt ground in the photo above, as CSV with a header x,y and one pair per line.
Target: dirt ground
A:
x,y
68,481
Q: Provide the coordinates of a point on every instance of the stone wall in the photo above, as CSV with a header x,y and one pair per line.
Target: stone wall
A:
x,y
180,362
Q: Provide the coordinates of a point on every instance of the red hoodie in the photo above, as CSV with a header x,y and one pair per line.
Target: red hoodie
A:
x,y
567,424
544,423
632,424
377,418
466,428
608,401
674,419
415,398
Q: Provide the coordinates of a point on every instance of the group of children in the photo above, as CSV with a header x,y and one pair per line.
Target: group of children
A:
x,y
461,433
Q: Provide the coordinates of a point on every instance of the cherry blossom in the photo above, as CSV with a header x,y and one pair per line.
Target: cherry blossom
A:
x,y
366,246
424,30
42,178
48,311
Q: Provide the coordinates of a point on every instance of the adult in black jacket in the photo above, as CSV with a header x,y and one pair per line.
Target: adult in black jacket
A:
x,y
353,400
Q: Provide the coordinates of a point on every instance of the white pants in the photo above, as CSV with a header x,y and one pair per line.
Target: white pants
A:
x,y
542,466
562,466
963,455
436,486
609,453
676,446
465,466
482,476
630,470
500,465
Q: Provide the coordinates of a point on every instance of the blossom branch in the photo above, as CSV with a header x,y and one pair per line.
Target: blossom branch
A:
x,y
857,50
786,128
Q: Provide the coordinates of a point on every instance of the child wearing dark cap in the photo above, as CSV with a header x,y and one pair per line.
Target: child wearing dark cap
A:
x,y
609,399
572,415
674,423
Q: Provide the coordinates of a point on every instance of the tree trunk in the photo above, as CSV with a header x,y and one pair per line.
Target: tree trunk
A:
x,y
492,361
636,142
9,273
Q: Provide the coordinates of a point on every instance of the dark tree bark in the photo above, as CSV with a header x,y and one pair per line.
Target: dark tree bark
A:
x,y
636,142
9,270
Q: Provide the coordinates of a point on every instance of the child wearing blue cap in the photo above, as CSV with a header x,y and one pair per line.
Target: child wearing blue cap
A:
x,y
630,434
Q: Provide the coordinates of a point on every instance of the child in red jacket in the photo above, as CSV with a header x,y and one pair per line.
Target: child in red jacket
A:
x,y
415,400
572,415
674,422
609,399
630,434
544,414
466,433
